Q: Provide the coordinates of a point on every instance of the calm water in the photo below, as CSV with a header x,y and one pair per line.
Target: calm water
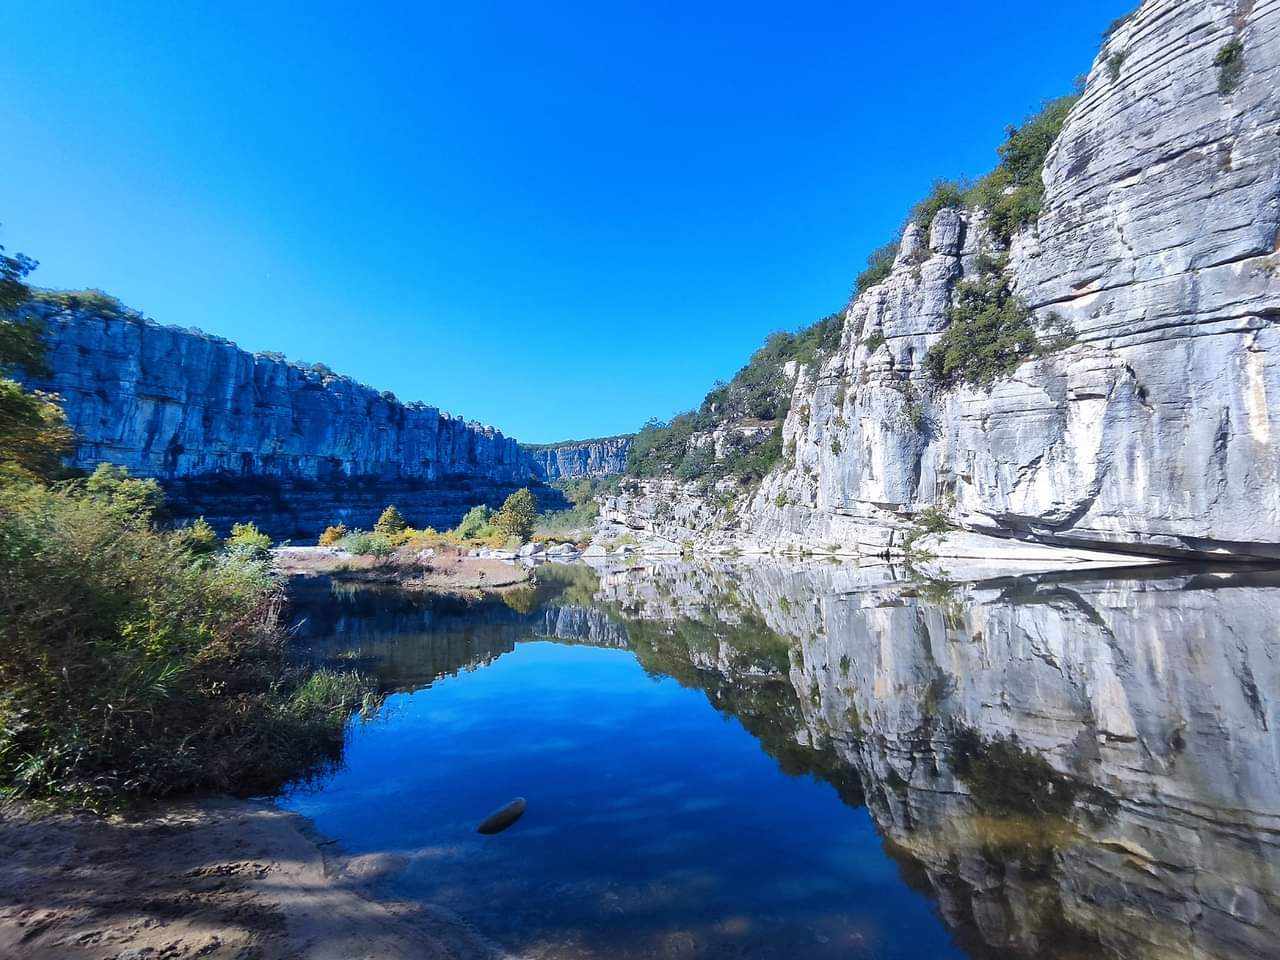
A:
x,y
769,761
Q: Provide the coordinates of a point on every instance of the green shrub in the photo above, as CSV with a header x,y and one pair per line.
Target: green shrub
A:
x,y
33,432
879,266
1114,62
915,414
247,538
874,342
1230,64
988,335
333,534
357,542
129,497
132,668
390,521
473,524
362,543
945,195
200,537
518,514
379,546
697,462
1013,194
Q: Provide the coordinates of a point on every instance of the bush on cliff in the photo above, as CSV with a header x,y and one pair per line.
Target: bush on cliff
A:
x,y
989,333
136,666
1013,193
879,266
945,195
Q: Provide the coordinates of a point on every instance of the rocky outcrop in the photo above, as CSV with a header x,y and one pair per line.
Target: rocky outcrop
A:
x,y
237,436
579,458
1158,430
1052,757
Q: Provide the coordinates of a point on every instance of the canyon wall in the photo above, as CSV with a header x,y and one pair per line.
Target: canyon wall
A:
x,y
1157,431
237,436
574,459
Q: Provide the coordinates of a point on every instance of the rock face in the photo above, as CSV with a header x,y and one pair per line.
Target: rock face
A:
x,y
579,458
234,436
1158,430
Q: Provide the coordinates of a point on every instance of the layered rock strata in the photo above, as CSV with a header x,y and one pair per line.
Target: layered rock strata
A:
x,y
237,436
574,459
1157,431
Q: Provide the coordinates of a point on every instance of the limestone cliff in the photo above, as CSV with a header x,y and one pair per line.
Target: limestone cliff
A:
x,y
1157,430
236,436
572,459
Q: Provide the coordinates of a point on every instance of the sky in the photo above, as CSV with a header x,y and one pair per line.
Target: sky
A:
x,y
559,218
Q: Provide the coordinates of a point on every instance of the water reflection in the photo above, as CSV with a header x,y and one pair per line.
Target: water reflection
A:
x,y
1067,765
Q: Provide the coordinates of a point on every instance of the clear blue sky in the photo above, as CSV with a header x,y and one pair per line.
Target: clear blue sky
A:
x,y
557,218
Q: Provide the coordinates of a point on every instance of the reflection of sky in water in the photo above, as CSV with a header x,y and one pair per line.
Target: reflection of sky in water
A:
x,y
655,825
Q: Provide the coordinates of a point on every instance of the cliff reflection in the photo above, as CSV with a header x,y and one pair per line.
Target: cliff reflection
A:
x,y
1073,765
1070,765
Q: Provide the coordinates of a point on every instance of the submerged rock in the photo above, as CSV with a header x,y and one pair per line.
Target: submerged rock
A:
x,y
503,817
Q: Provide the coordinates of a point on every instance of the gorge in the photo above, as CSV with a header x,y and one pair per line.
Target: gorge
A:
x,y
1145,419
236,436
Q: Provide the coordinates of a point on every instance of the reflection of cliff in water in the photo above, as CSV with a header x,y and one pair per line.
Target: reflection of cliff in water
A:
x,y
1073,766
409,640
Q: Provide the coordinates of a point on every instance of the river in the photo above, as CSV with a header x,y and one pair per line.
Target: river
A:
x,y
765,760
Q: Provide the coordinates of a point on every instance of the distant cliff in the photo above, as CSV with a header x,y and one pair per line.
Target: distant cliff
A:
x,y
579,458
1154,428
233,435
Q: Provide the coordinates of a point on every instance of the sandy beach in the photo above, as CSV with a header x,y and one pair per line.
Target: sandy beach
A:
x,y
218,879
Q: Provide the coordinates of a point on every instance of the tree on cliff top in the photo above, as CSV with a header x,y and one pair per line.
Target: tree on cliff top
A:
x,y
518,514
33,432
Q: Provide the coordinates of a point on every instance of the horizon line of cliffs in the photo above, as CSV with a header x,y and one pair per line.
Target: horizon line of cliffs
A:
x,y
298,445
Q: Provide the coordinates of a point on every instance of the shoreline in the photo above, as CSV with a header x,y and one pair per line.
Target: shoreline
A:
x,y
218,878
